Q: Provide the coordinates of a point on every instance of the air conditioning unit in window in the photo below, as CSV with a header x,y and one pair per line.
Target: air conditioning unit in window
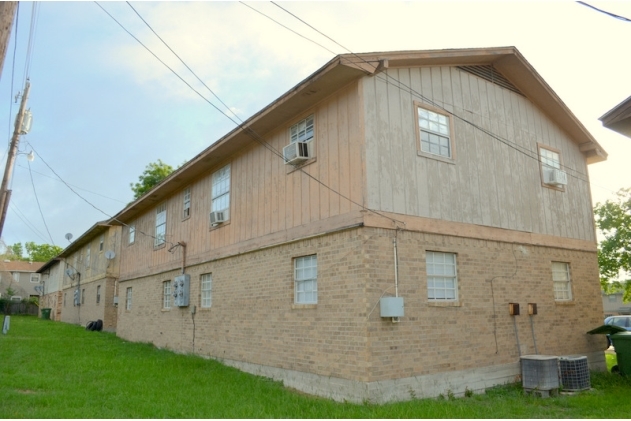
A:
x,y
554,177
217,217
296,152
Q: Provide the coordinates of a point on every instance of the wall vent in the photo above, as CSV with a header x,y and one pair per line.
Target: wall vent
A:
x,y
489,73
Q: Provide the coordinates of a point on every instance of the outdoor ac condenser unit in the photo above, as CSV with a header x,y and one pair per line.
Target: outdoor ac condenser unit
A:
x,y
296,152
540,372
574,372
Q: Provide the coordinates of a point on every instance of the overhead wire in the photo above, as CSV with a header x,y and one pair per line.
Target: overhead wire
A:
x,y
398,84
38,204
613,15
248,130
26,221
76,187
111,217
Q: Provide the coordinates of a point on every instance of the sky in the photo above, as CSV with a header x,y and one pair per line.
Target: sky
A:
x,y
104,107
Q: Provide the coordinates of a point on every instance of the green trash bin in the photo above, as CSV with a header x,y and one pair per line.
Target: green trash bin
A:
x,y
46,313
622,344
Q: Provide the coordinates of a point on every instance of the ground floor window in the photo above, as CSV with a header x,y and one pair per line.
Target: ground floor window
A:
x,y
561,280
128,299
306,279
206,289
442,280
166,294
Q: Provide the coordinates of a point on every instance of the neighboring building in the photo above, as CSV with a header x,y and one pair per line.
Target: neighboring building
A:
x,y
52,274
454,180
80,283
21,277
618,118
613,304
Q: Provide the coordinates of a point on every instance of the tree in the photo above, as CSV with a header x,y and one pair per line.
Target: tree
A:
x,y
154,173
35,252
613,218
41,252
17,250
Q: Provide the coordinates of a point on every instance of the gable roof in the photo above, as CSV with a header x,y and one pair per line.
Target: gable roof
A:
x,y
618,118
346,68
20,266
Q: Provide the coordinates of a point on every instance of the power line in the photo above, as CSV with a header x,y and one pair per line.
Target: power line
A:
x,y
613,15
38,205
400,85
88,202
286,27
182,61
26,222
255,136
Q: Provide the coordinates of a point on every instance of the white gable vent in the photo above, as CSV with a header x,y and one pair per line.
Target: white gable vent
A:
x,y
554,177
296,152
217,217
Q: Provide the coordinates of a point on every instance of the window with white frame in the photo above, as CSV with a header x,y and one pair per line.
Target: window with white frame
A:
x,y
35,277
128,299
562,281
442,279
87,256
434,133
186,206
166,294
101,242
98,294
220,194
132,233
551,173
16,276
161,225
306,279
549,158
206,288
302,131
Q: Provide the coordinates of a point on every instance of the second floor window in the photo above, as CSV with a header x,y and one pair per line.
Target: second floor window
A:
x,y
161,225
87,257
302,131
435,133
186,211
132,233
221,190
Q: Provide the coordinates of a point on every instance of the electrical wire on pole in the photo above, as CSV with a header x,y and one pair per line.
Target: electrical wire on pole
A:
x,y
5,193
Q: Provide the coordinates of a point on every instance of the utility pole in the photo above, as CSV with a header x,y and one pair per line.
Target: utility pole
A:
x,y
5,193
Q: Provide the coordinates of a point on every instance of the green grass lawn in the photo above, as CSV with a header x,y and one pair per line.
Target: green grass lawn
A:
x,y
55,370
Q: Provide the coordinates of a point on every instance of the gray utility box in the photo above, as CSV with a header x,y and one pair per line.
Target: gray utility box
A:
x,y
181,290
391,306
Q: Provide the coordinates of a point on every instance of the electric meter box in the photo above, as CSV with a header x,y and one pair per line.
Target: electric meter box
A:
x,y
181,290
391,306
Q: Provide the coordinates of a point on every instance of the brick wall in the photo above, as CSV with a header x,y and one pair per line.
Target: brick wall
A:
x,y
90,310
254,324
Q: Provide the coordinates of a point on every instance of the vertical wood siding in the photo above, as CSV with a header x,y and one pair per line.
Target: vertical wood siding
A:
x,y
489,183
265,195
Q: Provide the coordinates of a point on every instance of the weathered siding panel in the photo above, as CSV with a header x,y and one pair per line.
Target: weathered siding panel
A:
x,y
491,181
266,195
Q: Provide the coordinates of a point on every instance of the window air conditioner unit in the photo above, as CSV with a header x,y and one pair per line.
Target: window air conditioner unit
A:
x,y
296,152
555,177
217,217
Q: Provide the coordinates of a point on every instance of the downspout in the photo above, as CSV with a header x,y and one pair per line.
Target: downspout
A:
x,y
396,268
